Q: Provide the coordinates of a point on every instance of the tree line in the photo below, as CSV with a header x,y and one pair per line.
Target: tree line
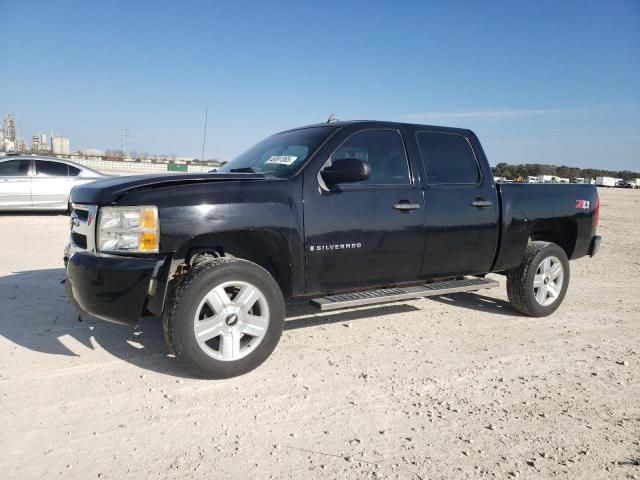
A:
x,y
535,169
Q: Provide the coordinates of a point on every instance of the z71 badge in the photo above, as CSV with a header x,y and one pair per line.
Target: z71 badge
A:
x,y
583,204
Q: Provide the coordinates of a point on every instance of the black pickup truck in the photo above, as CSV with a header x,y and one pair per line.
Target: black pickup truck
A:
x,y
344,213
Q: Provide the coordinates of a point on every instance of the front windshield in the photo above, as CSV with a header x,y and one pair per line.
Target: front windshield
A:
x,y
279,154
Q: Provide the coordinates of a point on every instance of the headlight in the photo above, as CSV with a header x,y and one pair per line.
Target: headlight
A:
x,y
129,229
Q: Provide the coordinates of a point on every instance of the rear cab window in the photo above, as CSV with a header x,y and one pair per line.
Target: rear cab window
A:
x,y
448,159
51,169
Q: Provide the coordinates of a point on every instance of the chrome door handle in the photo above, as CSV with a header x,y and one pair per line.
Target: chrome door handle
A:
x,y
481,203
406,206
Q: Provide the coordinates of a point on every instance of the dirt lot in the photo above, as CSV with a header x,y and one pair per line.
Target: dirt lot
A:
x,y
456,387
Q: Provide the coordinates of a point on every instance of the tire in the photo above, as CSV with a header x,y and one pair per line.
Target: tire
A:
x,y
535,288
235,300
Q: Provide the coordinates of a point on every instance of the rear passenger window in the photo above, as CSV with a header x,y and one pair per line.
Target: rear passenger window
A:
x,y
51,169
383,150
73,171
447,158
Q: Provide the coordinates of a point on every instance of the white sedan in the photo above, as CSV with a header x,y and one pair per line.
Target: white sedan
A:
x,y
40,183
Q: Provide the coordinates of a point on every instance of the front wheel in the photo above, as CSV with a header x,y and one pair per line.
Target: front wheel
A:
x,y
224,318
538,286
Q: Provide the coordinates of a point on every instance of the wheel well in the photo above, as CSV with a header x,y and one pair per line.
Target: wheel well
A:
x,y
560,231
266,248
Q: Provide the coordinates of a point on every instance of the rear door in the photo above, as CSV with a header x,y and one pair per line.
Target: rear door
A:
x,y
15,184
461,205
51,184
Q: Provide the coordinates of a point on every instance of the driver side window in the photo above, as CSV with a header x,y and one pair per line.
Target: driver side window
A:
x,y
383,150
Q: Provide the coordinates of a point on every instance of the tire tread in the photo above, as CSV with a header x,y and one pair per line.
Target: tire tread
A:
x,y
175,297
517,278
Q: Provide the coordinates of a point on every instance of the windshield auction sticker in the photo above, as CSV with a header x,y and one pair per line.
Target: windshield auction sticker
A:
x,y
282,159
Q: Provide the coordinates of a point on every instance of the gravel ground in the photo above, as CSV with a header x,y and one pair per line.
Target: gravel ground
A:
x,y
455,387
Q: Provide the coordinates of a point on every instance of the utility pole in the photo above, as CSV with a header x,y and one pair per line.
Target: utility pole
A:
x,y
204,135
125,133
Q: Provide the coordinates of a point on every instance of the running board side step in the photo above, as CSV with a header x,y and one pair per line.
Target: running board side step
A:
x,y
385,295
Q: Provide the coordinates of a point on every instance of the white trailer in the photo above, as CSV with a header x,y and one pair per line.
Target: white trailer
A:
x,y
547,179
606,181
552,179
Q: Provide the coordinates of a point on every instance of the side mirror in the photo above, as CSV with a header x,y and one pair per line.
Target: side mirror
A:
x,y
346,170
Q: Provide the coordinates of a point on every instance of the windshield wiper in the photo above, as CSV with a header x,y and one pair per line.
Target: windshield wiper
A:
x,y
243,170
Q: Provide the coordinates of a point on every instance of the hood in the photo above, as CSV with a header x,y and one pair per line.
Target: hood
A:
x,y
110,189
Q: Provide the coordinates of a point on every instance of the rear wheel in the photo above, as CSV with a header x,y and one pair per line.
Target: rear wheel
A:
x,y
224,318
538,286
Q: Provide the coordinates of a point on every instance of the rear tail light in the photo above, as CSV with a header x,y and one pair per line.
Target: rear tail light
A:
x,y
596,213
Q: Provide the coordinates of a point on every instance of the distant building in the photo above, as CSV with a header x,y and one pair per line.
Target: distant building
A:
x,y
9,132
8,145
91,152
21,146
9,127
60,146
39,143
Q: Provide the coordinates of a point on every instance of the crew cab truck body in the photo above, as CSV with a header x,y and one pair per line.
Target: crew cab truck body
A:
x,y
345,213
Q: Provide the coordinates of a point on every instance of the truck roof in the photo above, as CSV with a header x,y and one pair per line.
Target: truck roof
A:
x,y
382,124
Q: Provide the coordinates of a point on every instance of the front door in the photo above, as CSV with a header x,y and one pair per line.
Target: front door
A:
x,y
15,184
368,233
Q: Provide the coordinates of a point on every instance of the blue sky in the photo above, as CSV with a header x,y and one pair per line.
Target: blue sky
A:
x,y
539,81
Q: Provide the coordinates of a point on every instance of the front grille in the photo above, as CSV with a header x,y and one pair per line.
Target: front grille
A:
x,y
81,214
79,240
83,227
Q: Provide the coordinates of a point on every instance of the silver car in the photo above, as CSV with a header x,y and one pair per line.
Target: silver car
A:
x,y
40,183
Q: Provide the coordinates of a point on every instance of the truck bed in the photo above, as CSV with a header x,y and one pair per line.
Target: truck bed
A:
x,y
542,211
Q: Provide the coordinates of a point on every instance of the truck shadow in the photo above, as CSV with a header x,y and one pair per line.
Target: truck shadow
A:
x,y
36,315
475,301
302,315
